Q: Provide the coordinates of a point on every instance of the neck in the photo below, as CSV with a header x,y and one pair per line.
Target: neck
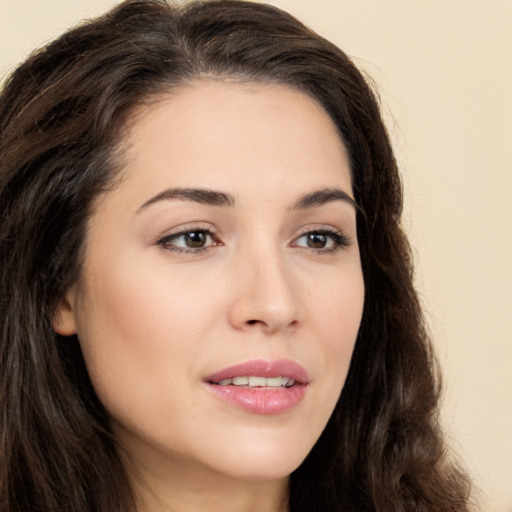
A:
x,y
185,487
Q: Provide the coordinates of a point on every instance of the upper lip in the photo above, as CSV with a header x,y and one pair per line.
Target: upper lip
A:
x,y
262,368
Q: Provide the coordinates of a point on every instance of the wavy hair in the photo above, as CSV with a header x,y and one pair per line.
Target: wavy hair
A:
x,y
63,114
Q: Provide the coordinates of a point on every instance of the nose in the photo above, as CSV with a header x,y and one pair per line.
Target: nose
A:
x,y
265,296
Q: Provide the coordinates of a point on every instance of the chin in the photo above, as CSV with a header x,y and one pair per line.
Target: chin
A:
x,y
262,459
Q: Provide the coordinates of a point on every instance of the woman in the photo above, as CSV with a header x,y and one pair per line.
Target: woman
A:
x,y
207,296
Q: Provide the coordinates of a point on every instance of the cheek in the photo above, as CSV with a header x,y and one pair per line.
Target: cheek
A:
x,y
141,329
336,308
336,316
141,309
125,329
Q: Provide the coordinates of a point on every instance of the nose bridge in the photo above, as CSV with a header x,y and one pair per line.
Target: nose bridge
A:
x,y
264,290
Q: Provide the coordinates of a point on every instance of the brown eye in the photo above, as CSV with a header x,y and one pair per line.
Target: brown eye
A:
x,y
317,240
195,239
189,241
324,241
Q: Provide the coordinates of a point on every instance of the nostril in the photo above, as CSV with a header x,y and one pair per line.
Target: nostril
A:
x,y
252,322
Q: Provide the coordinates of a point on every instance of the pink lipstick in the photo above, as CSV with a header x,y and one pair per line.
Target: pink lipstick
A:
x,y
261,387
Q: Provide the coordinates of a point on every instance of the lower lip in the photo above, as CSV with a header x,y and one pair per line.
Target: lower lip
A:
x,y
261,400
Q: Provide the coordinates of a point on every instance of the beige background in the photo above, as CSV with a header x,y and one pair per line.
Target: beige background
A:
x,y
444,69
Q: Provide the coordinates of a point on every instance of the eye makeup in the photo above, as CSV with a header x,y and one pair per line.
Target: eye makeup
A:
x,y
196,240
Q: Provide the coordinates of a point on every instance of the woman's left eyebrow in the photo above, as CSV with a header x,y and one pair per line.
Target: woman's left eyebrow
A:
x,y
321,197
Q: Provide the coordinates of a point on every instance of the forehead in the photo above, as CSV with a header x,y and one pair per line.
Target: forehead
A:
x,y
235,135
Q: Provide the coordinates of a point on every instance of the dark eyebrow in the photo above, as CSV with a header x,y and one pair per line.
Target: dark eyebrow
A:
x,y
214,198
198,195
320,197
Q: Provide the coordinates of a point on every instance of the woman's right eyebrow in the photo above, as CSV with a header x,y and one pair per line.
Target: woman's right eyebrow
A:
x,y
198,195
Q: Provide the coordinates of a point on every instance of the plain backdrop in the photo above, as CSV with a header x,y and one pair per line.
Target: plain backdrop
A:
x,y
444,72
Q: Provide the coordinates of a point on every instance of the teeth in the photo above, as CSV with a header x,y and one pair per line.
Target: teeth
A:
x,y
275,381
258,382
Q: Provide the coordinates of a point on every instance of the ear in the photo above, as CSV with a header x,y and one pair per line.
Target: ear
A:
x,y
64,321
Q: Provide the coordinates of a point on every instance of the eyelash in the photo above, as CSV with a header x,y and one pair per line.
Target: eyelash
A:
x,y
337,238
166,241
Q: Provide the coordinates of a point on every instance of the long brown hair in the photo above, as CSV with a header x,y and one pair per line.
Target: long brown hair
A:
x,y
62,115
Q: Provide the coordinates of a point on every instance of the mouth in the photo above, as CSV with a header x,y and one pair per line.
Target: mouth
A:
x,y
254,381
261,387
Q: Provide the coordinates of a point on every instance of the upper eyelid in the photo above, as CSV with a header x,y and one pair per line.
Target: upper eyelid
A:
x,y
314,229
322,228
186,228
182,232
338,238
166,242
217,235
334,233
177,234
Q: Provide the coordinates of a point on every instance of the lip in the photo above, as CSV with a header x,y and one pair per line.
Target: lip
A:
x,y
262,368
261,400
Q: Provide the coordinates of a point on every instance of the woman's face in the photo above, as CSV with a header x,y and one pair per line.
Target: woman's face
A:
x,y
221,291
